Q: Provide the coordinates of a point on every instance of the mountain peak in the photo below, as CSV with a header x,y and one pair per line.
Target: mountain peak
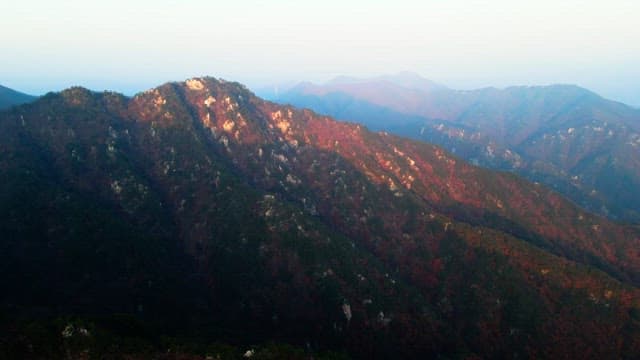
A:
x,y
78,96
212,86
406,79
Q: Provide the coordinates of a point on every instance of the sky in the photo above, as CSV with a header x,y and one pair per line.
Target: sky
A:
x,y
133,45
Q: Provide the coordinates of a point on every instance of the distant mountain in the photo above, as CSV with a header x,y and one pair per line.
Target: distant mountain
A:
x,y
407,80
561,135
197,213
9,97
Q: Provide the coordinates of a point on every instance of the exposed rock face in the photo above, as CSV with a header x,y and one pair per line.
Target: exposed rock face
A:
x,y
215,212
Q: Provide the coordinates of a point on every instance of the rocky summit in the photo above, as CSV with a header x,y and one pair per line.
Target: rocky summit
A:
x,y
197,214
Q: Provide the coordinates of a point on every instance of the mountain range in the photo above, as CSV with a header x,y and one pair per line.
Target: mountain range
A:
x,y
196,212
563,136
10,97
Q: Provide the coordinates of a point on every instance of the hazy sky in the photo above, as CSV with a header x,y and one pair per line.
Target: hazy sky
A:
x,y
136,44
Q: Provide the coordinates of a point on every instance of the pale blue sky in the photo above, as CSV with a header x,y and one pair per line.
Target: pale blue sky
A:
x,y
132,45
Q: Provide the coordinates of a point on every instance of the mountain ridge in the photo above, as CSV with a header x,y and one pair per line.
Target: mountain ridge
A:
x,y
10,97
291,224
561,135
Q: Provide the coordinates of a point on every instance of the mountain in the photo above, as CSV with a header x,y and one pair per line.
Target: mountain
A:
x,y
197,213
564,136
9,97
405,80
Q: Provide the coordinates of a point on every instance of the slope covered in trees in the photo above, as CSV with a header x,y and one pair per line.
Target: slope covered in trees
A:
x,y
566,137
198,212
